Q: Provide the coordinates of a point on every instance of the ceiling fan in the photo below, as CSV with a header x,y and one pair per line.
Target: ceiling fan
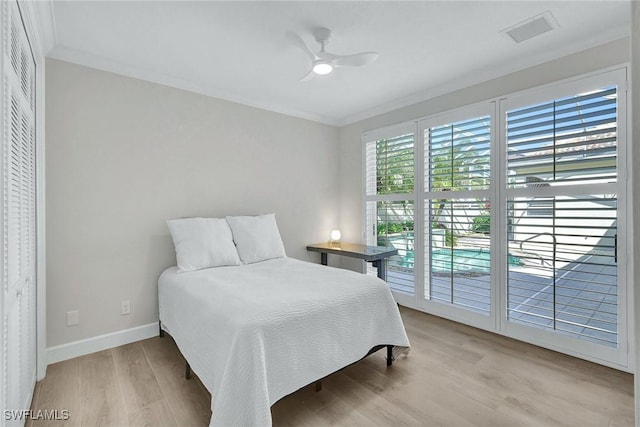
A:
x,y
324,62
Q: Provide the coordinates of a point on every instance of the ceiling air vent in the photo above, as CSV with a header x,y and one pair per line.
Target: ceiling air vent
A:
x,y
532,27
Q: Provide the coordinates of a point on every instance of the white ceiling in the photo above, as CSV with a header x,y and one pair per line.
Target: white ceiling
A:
x,y
238,50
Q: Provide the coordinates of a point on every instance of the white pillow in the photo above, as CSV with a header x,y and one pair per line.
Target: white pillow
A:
x,y
257,237
202,243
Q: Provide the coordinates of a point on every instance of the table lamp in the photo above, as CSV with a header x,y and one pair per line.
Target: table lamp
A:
x,y
335,237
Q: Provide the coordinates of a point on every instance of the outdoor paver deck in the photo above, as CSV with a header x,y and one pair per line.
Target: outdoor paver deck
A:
x,y
585,297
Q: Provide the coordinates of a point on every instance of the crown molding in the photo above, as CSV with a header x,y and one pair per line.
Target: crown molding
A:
x,y
43,22
481,76
86,59
47,23
46,19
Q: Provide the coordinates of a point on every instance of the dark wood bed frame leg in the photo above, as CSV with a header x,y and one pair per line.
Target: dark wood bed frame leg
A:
x,y
389,355
318,385
161,332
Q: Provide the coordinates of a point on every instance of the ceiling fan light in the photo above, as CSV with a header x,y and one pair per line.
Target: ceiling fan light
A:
x,y
322,68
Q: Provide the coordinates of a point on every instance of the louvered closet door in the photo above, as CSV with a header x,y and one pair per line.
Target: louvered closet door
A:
x,y
18,213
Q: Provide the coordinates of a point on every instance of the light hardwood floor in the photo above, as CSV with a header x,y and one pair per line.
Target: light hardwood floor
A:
x,y
455,376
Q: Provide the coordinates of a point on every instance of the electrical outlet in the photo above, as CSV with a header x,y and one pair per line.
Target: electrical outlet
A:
x,y
126,307
73,318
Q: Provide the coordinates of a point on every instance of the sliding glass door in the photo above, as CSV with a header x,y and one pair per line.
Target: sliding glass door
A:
x,y
511,215
457,210
564,215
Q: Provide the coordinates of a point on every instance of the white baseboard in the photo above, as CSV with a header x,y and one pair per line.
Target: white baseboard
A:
x,y
101,342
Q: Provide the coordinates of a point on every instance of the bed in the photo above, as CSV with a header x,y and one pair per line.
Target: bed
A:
x,y
257,332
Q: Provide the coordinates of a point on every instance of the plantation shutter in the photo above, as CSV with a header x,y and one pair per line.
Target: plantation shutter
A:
x,y
522,221
459,156
389,193
564,232
569,140
390,165
457,213
570,256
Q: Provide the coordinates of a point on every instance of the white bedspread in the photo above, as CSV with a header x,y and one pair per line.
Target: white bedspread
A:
x,y
255,333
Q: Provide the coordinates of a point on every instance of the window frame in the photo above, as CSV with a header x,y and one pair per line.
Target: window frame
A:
x,y
615,357
499,193
373,137
446,310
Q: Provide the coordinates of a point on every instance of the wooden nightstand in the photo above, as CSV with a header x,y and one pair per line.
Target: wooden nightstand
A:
x,y
376,255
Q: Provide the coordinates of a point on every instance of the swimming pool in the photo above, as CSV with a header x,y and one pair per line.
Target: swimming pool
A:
x,y
444,260
460,261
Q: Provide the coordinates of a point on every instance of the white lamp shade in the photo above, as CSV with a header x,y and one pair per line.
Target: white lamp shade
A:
x,y
335,235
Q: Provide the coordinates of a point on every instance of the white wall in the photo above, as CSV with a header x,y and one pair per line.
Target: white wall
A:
x,y
351,172
124,155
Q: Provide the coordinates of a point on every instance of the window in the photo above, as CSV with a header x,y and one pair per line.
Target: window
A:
x,y
510,215
390,213
567,279
457,213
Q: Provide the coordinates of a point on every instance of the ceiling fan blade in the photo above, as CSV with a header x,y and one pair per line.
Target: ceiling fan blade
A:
x,y
357,60
308,77
297,40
